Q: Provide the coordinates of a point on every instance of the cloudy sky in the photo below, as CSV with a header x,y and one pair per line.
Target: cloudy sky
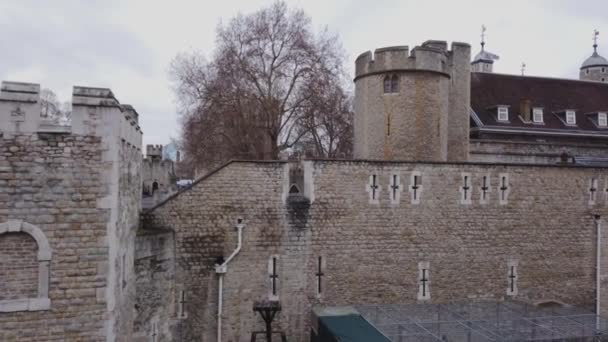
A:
x,y
128,45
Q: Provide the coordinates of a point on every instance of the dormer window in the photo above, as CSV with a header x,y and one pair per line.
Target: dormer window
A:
x,y
503,113
570,117
537,115
602,119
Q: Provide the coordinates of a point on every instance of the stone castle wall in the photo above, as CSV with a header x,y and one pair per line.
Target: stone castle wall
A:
x,y
371,248
68,188
157,308
160,171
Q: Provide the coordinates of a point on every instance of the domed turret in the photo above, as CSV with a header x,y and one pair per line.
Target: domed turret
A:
x,y
484,60
594,61
595,68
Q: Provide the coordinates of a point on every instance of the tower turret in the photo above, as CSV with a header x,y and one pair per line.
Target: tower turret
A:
x,y
484,60
413,106
595,68
154,152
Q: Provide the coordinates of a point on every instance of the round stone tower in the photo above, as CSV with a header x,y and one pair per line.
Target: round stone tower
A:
x,y
413,106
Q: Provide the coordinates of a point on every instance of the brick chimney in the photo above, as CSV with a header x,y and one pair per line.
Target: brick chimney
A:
x,y
525,110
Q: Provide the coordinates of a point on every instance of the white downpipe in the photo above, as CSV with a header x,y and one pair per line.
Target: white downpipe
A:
x,y
598,226
219,308
221,270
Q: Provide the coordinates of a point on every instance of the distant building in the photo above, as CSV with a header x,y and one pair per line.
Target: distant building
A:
x,y
171,152
158,176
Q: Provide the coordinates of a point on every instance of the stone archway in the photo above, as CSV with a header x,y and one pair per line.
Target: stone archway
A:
x,y
42,301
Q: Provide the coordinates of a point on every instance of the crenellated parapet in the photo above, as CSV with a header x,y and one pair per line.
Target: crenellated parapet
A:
x,y
154,151
20,108
95,111
431,56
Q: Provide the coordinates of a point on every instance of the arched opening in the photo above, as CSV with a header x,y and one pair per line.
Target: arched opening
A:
x,y
29,258
154,186
549,304
18,266
294,189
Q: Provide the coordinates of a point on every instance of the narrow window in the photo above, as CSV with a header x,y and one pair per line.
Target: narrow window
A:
x,y
415,187
570,117
395,188
465,189
512,278
319,274
485,189
182,305
373,188
424,290
602,120
603,70
123,271
395,84
387,84
503,114
587,71
388,125
537,115
504,189
593,191
273,277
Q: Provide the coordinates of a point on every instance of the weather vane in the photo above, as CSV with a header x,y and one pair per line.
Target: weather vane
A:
x,y
483,36
596,33
523,68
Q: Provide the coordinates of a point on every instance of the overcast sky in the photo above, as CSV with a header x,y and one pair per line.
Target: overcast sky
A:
x,y
128,45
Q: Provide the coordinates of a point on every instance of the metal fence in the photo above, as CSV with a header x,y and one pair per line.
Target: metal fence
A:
x,y
484,321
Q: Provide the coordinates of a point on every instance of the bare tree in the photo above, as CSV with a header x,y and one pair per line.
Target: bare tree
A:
x,y
256,96
49,103
52,109
328,126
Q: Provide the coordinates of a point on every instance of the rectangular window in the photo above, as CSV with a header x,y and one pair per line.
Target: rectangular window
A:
x,y
570,117
503,114
602,119
537,115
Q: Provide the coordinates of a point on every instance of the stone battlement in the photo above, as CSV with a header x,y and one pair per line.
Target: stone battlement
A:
x,y
154,151
95,111
432,55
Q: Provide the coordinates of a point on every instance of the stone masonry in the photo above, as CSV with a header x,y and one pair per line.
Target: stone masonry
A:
x,y
412,123
545,223
76,191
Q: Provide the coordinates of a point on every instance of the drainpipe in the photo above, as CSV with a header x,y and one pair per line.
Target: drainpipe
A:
x,y
221,270
598,226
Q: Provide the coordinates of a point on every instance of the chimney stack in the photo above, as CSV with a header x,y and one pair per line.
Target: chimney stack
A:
x,y
525,110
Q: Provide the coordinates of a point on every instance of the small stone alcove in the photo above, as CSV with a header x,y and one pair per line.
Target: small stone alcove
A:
x,y
297,194
15,231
